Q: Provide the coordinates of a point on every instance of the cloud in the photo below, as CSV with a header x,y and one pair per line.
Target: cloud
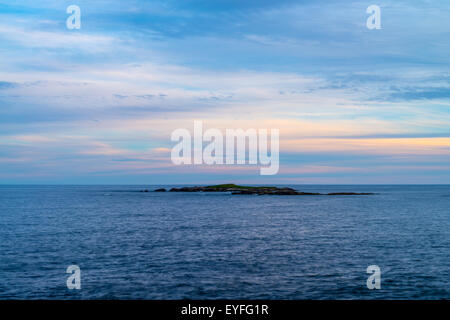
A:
x,y
7,85
419,93
382,146
65,40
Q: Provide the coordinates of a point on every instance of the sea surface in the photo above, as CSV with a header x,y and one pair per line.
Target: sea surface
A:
x,y
134,245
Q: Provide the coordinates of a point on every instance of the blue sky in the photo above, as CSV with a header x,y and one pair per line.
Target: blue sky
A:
x,y
97,105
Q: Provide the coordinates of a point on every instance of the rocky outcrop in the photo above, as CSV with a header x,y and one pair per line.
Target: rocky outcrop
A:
x,y
246,190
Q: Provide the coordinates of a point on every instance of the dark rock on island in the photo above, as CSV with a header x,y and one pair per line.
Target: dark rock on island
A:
x,y
236,189
160,190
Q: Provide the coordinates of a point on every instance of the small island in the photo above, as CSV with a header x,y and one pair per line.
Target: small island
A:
x,y
243,190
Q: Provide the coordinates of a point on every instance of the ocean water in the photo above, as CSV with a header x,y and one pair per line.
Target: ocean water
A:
x,y
133,245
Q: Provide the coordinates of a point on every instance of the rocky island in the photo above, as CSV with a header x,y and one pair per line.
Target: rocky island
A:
x,y
236,189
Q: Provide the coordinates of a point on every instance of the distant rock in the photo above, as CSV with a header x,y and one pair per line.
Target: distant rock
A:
x,y
160,190
246,190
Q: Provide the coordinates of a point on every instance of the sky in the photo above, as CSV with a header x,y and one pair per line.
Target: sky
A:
x,y
98,105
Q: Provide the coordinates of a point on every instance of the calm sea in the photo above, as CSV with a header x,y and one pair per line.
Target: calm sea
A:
x,y
133,245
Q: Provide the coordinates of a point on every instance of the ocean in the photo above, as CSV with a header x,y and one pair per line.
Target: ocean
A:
x,y
134,245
